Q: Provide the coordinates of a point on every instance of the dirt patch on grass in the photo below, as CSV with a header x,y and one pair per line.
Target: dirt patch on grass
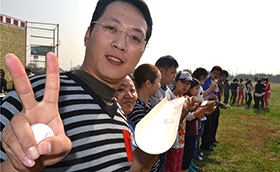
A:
x,y
259,127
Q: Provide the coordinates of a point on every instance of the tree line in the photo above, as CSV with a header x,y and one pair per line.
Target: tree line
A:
x,y
272,78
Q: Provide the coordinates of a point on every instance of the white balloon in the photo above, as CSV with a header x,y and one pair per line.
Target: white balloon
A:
x,y
41,131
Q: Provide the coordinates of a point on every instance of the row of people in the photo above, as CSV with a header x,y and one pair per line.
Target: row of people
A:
x,y
150,84
261,92
92,125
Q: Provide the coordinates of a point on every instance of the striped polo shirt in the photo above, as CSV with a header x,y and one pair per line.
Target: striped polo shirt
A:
x,y
140,110
100,137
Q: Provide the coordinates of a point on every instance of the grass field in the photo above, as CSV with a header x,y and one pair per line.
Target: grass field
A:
x,y
249,139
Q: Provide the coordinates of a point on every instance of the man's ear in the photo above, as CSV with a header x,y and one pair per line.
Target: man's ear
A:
x,y
148,84
162,70
87,36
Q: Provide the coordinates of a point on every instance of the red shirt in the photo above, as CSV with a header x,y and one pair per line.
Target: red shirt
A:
x,y
267,87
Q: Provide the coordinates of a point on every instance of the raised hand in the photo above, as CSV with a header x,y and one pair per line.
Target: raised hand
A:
x,y
210,108
24,154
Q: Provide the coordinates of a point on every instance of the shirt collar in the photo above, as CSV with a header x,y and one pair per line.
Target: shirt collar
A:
x,y
164,87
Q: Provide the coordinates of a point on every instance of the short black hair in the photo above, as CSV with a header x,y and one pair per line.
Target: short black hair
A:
x,y
140,4
224,72
200,72
217,68
166,62
194,83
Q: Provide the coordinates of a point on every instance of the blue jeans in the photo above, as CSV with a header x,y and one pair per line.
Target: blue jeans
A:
x,y
200,132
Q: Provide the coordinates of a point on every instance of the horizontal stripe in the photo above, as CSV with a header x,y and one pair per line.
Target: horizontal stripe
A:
x,y
97,138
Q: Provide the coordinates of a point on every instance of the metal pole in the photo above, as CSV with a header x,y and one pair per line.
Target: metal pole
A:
x,y
57,39
54,40
25,43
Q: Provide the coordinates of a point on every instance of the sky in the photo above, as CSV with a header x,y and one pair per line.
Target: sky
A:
x,y
241,36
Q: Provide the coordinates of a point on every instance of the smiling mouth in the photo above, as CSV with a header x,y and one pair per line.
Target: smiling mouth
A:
x,y
128,103
114,59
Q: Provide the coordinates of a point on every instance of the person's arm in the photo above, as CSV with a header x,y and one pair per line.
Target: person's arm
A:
x,y
150,163
211,88
23,153
200,112
210,108
266,86
142,161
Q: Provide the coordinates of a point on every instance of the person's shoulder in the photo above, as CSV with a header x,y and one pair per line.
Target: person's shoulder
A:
x,y
139,106
208,80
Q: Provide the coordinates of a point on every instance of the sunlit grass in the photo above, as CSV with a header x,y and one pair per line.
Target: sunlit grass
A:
x,y
249,139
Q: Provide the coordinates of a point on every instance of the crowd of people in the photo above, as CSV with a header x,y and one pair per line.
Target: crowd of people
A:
x,y
93,111
261,92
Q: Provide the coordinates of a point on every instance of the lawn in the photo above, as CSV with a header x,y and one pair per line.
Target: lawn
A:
x,y
249,139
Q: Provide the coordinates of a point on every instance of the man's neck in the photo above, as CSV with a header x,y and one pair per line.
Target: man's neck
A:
x,y
114,85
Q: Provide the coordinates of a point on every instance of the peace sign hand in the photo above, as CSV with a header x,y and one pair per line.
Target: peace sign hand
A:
x,y
24,154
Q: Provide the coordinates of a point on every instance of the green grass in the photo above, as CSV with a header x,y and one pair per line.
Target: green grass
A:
x,y
249,139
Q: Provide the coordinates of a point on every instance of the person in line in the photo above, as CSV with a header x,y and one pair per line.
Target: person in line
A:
x,y
126,96
249,92
215,120
263,92
167,66
267,92
201,75
246,91
226,91
207,139
147,81
258,93
221,85
255,83
240,92
174,155
90,131
233,87
192,127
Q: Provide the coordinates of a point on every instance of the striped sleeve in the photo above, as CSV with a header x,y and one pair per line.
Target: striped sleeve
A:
x,y
98,142
137,114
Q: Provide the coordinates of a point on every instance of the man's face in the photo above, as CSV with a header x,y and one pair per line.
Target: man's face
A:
x,y
110,58
126,95
223,78
167,76
215,74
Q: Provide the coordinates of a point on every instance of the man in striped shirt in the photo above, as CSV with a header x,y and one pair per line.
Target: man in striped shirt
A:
x,y
90,130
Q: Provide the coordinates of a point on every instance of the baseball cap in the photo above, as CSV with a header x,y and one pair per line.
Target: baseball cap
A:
x,y
183,76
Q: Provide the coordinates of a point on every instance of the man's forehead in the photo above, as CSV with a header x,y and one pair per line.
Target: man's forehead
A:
x,y
125,13
172,69
115,20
